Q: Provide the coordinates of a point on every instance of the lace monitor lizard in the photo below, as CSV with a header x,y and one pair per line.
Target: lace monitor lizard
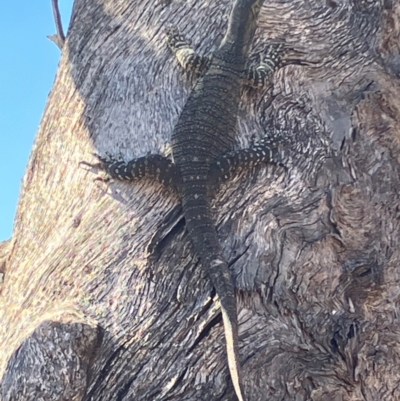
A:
x,y
203,149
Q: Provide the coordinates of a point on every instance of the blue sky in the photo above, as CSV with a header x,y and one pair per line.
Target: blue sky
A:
x,y
28,63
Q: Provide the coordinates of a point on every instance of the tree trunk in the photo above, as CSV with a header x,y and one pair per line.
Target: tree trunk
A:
x,y
89,312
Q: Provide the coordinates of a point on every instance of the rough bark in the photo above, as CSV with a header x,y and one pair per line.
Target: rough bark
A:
x,y
88,313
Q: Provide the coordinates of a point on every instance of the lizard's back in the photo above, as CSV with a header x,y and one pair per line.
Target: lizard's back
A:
x,y
206,126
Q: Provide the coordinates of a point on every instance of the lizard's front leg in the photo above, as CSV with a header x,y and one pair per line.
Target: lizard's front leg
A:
x,y
155,167
186,55
228,164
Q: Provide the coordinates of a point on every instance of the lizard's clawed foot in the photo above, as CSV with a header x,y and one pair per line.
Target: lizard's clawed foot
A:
x,y
175,39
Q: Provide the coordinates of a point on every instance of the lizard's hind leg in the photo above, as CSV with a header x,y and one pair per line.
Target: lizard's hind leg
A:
x,y
187,57
228,164
155,166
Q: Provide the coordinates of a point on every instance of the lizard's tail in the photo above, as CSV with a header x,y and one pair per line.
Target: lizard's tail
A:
x,y
222,281
232,341
205,242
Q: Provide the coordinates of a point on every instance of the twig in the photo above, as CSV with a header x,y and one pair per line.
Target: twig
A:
x,y
59,37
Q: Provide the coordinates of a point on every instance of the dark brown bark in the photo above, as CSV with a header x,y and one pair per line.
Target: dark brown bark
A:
x,y
314,249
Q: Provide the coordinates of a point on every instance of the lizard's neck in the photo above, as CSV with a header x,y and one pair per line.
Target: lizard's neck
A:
x,y
242,26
